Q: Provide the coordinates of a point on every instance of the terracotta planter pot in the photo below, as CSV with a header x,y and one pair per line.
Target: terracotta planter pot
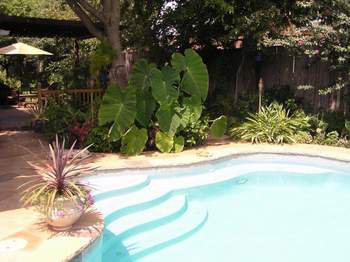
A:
x,y
38,125
64,213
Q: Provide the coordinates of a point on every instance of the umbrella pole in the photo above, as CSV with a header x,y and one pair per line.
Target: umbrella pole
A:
x,y
19,93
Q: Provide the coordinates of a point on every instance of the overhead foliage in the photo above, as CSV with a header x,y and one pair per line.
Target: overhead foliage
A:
x,y
220,23
102,57
320,31
56,9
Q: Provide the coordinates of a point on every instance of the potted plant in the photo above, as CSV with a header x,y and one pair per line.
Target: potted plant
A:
x,y
55,188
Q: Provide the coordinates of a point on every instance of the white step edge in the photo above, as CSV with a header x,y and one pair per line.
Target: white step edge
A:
x,y
145,220
143,196
167,208
160,188
105,183
165,235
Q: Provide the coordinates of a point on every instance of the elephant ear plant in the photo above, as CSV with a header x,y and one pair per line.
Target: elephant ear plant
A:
x,y
55,187
163,101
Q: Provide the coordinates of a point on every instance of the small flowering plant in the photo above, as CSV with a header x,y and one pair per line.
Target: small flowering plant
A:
x,y
56,180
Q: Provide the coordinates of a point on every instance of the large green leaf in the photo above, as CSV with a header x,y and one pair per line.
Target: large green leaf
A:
x,y
145,107
140,76
195,80
347,126
115,133
161,91
145,103
170,76
168,120
178,61
218,127
179,143
164,142
192,110
118,107
134,141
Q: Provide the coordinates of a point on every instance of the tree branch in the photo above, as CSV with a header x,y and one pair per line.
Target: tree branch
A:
x,y
89,8
93,29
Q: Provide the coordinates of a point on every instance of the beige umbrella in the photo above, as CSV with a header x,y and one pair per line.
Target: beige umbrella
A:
x,y
22,49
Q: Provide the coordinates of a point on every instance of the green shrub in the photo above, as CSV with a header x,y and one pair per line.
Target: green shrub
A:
x,y
335,121
331,138
59,116
196,133
273,124
317,126
101,141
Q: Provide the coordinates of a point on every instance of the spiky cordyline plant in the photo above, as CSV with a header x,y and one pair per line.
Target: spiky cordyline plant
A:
x,y
38,110
57,177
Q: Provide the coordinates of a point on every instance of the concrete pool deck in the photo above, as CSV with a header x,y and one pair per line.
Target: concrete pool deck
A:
x,y
17,149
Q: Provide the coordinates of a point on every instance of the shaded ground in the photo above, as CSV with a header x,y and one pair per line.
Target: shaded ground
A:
x,y
14,118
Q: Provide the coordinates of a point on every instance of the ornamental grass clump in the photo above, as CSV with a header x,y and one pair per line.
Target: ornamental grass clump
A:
x,y
274,124
57,177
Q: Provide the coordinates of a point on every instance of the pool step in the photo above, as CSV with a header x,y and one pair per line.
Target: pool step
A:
x,y
207,179
164,212
144,220
157,191
118,206
106,186
168,234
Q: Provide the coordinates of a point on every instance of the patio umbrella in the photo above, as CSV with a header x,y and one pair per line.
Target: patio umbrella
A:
x,y
22,49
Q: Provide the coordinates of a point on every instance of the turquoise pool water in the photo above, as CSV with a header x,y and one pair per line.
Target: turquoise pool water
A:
x,y
269,208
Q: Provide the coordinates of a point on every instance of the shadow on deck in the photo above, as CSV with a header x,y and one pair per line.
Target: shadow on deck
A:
x,y
14,118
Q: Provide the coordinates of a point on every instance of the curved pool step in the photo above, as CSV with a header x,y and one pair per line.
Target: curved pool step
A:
x,y
141,221
105,186
118,206
168,234
155,193
144,220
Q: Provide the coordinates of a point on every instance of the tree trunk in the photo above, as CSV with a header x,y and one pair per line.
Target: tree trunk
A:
x,y
239,70
103,23
117,72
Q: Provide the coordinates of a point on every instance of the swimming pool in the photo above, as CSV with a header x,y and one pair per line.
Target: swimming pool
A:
x,y
249,208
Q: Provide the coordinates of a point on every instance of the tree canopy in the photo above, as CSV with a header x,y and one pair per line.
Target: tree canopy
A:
x,y
316,28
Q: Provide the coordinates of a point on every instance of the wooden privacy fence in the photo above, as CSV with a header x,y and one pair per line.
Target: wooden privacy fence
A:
x,y
233,76
79,96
